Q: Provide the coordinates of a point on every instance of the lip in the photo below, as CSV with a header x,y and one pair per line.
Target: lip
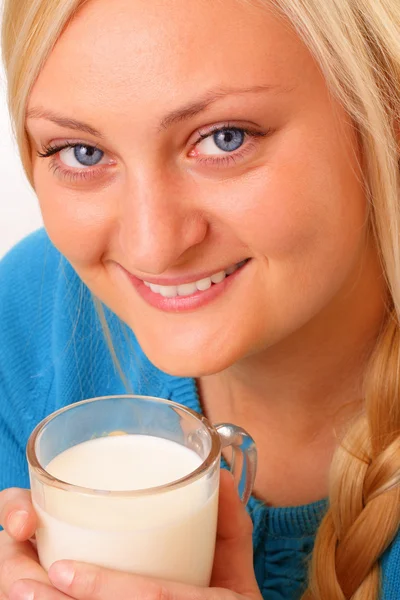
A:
x,y
183,278
183,303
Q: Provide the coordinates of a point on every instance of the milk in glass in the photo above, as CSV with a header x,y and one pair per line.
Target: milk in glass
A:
x,y
162,534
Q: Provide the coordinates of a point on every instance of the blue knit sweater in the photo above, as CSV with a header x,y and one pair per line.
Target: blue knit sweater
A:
x,y
53,353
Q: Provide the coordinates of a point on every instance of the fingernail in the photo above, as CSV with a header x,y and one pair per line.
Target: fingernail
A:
x,y
61,574
21,591
16,522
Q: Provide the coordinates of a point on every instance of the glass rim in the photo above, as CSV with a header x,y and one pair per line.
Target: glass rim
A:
x,y
44,477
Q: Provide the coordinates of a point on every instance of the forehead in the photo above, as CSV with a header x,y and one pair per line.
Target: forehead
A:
x,y
128,53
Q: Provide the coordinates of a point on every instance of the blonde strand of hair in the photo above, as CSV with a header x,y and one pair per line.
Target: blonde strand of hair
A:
x,y
364,512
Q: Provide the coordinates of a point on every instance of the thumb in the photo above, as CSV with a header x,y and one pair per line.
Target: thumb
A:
x,y
233,563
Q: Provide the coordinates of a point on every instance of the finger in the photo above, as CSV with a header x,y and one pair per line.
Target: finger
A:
x,y
233,563
17,515
17,561
26,589
87,582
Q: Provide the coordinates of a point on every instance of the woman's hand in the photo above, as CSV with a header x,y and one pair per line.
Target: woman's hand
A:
x,y
233,575
18,557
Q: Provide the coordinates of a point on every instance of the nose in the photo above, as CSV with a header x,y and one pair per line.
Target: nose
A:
x,y
159,223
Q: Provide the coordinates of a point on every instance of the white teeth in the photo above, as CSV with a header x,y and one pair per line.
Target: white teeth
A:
x,y
168,291
203,284
187,289
218,277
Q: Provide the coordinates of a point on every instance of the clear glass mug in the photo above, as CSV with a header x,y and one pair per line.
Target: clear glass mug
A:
x,y
168,531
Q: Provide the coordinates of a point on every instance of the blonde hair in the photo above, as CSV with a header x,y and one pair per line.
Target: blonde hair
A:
x,y
357,46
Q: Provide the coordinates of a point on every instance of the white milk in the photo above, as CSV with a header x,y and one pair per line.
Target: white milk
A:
x,y
169,535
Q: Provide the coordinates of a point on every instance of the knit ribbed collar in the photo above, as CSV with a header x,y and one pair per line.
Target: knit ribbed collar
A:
x,y
291,522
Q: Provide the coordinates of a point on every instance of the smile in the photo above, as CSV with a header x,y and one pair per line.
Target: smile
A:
x,y
190,288
188,294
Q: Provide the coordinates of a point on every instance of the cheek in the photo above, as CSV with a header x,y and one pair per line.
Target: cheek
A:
x,y
79,223
307,202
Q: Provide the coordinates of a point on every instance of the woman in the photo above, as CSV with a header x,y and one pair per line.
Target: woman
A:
x,y
223,179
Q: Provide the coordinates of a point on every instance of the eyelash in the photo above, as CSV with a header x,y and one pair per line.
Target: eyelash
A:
x,y
88,174
231,157
72,175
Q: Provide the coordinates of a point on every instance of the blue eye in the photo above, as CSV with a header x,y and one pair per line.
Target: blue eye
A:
x,y
88,156
75,155
229,140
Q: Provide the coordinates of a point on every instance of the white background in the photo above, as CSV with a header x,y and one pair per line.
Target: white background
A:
x,y
19,211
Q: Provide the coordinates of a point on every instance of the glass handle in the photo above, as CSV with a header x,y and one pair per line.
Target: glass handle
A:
x,y
241,443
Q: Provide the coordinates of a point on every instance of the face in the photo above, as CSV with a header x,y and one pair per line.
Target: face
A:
x,y
195,147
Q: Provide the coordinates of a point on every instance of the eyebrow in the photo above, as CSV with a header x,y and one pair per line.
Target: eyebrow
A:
x,y
67,123
191,110
176,116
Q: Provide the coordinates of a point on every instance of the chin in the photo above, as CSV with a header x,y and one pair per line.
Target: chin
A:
x,y
189,363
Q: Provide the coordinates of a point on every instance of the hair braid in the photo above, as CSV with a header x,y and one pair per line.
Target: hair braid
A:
x,y
364,512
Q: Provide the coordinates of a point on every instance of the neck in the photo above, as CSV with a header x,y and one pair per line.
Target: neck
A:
x,y
296,397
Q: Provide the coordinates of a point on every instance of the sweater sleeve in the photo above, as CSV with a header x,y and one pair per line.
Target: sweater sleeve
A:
x,y
53,351
27,279
390,575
